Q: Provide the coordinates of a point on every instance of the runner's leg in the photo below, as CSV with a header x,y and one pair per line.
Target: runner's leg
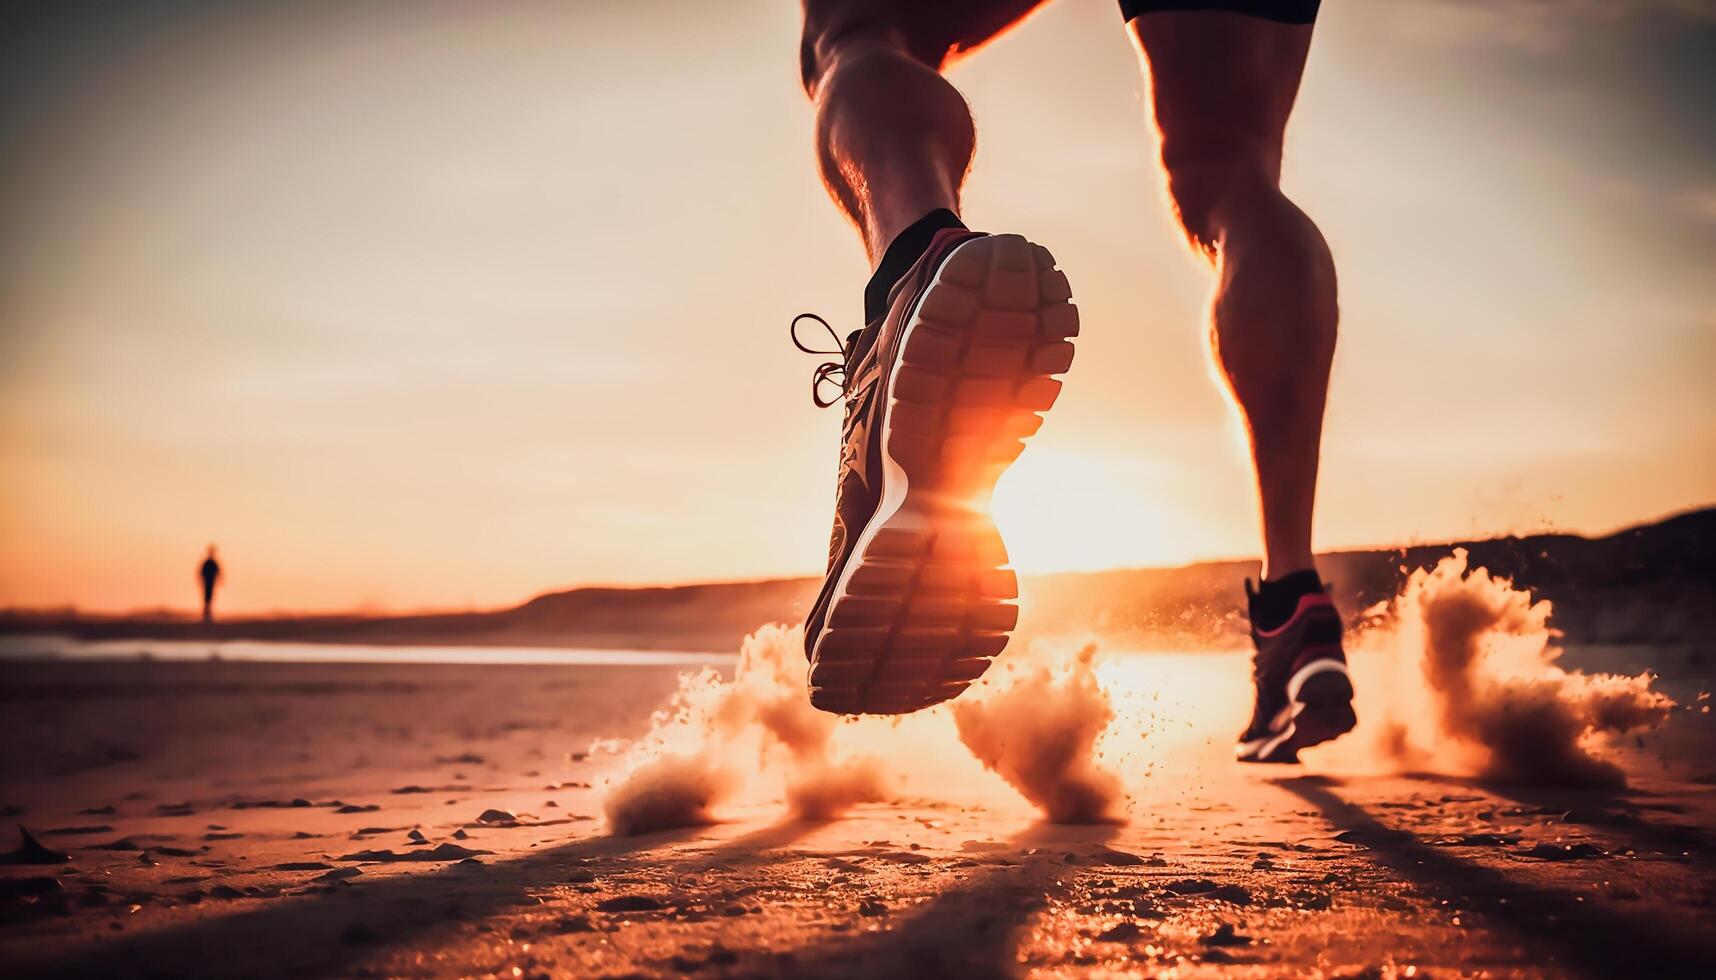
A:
x,y
894,139
1222,85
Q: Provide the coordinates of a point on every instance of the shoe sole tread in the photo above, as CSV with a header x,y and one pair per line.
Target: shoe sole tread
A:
x,y
930,600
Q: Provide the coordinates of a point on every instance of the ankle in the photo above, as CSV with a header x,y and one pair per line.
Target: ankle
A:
x,y
900,253
1274,601
1275,569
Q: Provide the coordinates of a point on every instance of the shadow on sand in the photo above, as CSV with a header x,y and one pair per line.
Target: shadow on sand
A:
x,y
319,934
1577,937
970,930
1619,813
967,930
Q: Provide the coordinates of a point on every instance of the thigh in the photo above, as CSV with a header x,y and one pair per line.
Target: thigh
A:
x,y
1221,82
932,31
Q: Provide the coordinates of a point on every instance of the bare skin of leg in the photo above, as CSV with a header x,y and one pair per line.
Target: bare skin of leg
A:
x,y
1222,86
894,139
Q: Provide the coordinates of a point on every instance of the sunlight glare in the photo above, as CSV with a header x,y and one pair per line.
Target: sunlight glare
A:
x,y
1063,511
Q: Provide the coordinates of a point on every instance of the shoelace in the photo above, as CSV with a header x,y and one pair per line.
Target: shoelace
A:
x,y
829,372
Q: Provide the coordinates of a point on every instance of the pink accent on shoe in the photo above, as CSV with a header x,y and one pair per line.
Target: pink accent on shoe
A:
x,y
1305,602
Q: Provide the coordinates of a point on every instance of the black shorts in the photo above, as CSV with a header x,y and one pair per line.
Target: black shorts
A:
x,y
935,31
1286,11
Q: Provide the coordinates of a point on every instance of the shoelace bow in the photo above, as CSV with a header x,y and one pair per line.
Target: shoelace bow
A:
x,y
828,372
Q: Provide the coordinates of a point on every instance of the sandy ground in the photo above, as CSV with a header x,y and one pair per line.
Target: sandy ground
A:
x,y
233,819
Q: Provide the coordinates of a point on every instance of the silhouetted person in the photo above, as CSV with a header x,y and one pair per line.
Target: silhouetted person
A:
x,y
209,572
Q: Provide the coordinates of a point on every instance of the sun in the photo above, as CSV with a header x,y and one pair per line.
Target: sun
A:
x,y
1063,511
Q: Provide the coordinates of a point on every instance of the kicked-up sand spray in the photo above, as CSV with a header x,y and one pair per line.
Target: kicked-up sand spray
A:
x,y
1463,675
1034,722
716,737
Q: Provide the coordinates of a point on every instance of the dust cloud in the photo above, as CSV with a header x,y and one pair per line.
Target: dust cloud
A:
x,y
717,738
1460,675
1036,725
1489,698
667,792
756,740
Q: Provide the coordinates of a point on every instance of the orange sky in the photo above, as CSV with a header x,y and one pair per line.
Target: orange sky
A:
x,y
436,304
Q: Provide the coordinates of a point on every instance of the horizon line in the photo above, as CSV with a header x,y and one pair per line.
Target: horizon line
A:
x,y
169,613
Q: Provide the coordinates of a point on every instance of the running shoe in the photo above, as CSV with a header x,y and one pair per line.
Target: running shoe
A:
x,y
940,393
1304,694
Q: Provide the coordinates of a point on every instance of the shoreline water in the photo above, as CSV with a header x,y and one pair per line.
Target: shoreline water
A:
x,y
60,648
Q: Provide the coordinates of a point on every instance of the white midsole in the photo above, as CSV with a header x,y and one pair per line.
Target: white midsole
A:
x,y
894,482
1271,745
1297,682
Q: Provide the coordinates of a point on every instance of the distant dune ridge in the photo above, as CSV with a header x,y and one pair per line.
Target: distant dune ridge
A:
x,y
1655,583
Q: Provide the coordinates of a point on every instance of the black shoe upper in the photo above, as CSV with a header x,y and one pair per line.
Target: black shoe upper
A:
x,y
1312,631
